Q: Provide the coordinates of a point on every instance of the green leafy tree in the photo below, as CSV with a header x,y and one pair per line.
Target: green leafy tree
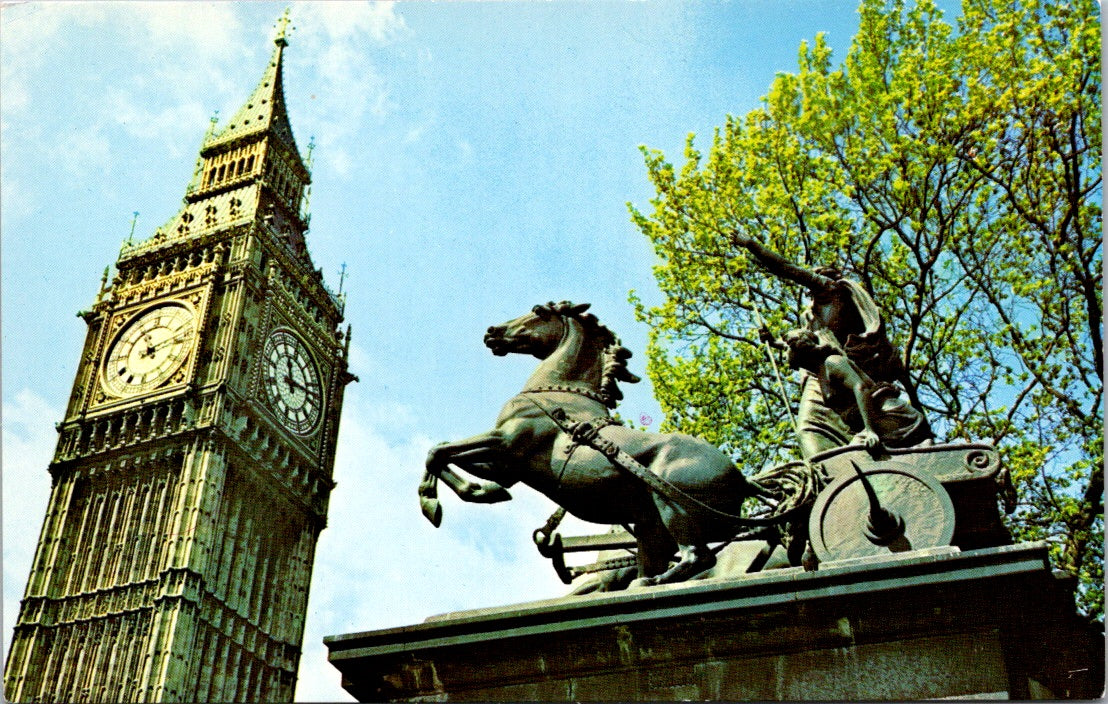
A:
x,y
956,174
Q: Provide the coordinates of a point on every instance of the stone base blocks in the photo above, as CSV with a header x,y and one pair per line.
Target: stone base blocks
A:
x,y
993,623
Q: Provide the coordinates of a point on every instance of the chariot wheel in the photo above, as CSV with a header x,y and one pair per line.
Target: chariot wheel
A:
x,y
881,510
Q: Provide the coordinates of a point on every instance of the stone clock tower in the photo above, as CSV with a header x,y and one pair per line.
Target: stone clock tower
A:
x,y
194,462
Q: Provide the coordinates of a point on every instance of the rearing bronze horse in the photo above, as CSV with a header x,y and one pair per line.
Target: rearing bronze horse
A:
x,y
582,363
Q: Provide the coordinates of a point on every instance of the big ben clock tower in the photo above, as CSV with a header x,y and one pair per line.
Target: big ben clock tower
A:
x,y
193,466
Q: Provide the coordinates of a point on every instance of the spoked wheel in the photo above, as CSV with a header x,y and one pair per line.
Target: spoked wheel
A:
x,y
885,509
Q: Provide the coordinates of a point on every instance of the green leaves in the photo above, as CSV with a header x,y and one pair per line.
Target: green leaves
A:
x,y
956,173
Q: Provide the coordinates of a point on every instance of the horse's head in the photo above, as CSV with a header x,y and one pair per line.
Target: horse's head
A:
x,y
589,352
537,333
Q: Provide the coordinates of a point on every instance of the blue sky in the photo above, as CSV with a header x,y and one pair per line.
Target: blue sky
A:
x,y
472,159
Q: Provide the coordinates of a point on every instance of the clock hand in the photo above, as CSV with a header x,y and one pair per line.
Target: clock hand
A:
x,y
152,349
293,384
184,334
289,377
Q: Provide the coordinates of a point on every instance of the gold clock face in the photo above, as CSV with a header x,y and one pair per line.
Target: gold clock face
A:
x,y
292,382
150,349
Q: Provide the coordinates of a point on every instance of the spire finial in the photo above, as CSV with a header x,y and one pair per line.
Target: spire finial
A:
x,y
283,28
131,236
341,296
212,122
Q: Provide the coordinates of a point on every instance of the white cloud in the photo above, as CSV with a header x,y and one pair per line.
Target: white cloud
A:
x,y
361,361
209,31
18,200
169,101
339,162
28,444
168,42
29,28
351,20
348,86
161,122
465,151
83,151
333,52
16,97
415,134
156,101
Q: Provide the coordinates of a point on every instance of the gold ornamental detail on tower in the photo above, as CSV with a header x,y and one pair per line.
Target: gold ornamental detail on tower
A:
x,y
139,288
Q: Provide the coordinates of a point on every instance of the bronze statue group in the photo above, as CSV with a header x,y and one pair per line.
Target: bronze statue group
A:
x,y
849,389
674,492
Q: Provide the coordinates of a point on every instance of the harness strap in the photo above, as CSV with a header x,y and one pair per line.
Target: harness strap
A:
x,y
567,389
586,433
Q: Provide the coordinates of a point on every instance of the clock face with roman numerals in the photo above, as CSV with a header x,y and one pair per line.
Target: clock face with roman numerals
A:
x,y
150,349
292,385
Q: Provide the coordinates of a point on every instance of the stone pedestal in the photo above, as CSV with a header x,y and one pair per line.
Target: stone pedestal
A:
x,y
992,623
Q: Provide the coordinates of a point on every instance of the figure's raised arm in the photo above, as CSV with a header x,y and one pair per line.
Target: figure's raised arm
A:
x,y
782,268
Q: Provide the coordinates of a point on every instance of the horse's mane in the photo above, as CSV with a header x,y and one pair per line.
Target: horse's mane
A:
x,y
615,354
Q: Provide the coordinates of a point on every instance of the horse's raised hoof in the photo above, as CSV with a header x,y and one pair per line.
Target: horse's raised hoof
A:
x,y
432,510
489,493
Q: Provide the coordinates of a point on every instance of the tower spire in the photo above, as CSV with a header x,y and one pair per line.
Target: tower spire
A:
x,y
250,167
265,110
